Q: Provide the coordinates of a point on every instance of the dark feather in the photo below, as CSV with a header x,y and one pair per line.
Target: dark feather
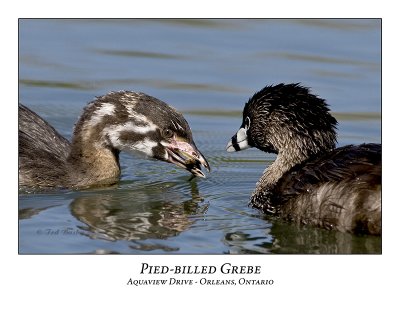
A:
x,y
311,181
35,152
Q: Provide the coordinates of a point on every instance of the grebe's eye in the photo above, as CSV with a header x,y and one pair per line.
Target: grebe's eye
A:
x,y
247,123
167,133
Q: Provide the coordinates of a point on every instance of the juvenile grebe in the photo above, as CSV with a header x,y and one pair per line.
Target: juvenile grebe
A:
x,y
118,121
311,181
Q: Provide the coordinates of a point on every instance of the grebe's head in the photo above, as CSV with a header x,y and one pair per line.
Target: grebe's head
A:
x,y
285,117
136,122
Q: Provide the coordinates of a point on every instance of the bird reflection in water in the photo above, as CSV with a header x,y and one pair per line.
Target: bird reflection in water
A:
x,y
289,238
150,212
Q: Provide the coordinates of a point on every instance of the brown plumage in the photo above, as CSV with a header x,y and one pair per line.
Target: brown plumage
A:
x,y
311,181
118,121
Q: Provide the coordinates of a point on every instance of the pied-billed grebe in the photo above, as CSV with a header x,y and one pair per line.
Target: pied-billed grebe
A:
x,y
310,181
118,121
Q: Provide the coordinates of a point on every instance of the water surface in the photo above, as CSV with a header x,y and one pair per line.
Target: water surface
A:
x,y
207,69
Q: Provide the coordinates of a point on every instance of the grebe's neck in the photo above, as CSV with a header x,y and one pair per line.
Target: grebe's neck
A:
x,y
292,150
93,165
285,160
92,158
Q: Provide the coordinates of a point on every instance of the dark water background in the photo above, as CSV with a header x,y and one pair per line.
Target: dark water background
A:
x,y
207,69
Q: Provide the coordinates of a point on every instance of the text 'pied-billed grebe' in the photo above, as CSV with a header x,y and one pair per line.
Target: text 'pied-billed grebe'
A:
x,y
310,181
118,121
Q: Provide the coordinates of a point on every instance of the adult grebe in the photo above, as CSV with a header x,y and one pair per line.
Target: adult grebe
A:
x,y
118,121
311,181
